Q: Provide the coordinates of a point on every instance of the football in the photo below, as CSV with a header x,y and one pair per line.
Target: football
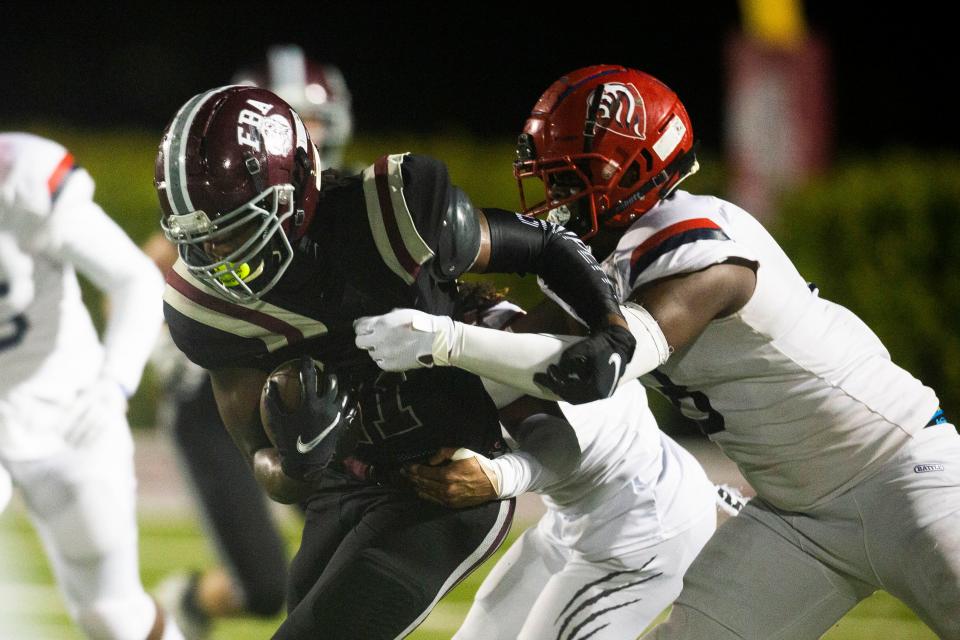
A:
x,y
287,379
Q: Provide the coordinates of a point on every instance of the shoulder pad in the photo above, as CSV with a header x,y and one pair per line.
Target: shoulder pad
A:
x,y
682,234
399,212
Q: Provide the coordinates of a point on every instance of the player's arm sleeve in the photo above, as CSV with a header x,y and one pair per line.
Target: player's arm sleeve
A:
x,y
511,359
83,235
519,244
548,452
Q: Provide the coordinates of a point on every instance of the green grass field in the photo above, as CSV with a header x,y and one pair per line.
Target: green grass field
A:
x,y
167,545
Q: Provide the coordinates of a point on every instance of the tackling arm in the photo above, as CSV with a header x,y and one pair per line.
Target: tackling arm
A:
x,y
406,338
665,315
237,392
512,243
548,452
684,305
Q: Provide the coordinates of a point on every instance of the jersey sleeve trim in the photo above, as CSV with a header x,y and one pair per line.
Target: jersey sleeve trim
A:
x,y
669,239
399,243
58,178
275,326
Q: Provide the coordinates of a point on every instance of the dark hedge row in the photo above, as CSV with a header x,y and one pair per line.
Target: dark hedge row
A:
x,y
877,235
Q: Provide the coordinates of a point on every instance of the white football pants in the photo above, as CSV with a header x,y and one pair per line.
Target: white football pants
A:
x,y
538,590
82,503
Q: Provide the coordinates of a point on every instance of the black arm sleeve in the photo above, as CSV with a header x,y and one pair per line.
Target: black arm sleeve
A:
x,y
447,222
519,244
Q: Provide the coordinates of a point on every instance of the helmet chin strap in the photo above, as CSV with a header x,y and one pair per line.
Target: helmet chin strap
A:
x,y
682,164
255,170
305,165
590,123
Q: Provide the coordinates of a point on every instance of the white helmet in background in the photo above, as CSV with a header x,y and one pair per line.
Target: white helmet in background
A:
x,y
316,91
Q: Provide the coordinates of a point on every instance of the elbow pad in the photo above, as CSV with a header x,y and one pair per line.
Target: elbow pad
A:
x,y
459,243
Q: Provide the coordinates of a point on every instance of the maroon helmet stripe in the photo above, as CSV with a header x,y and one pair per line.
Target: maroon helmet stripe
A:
x,y
204,299
389,217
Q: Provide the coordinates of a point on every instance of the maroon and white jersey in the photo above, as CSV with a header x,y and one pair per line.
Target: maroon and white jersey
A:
x,y
371,251
365,257
797,390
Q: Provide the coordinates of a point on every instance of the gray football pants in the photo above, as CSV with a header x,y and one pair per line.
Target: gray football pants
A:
x,y
775,575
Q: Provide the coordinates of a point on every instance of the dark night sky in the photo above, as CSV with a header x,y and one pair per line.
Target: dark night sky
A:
x,y
415,66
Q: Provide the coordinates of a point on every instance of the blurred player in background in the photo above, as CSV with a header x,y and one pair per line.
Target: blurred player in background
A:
x,y
856,468
317,91
64,437
253,578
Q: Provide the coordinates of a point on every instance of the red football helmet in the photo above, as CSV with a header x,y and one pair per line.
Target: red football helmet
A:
x,y
317,91
236,168
608,143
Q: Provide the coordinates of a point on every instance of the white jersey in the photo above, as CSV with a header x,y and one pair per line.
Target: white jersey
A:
x,y
632,487
49,349
797,390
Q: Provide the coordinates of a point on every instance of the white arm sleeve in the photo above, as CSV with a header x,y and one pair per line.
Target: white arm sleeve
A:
x,y
549,451
513,358
87,238
501,394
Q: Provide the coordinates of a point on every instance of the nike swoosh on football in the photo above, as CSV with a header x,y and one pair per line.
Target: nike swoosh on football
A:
x,y
307,447
615,361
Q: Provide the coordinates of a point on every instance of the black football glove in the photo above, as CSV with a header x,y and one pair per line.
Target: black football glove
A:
x,y
306,438
590,369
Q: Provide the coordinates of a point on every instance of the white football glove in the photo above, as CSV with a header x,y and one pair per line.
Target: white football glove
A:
x,y
406,339
95,410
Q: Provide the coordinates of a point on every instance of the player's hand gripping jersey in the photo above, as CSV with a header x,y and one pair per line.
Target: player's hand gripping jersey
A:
x,y
794,388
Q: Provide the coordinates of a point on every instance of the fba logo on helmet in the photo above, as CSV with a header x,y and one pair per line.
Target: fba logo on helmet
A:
x,y
274,131
621,110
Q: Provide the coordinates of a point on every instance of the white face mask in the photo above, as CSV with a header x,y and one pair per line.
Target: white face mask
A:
x,y
235,276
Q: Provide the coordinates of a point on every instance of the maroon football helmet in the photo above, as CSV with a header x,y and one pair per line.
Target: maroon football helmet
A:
x,y
608,143
317,91
236,168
